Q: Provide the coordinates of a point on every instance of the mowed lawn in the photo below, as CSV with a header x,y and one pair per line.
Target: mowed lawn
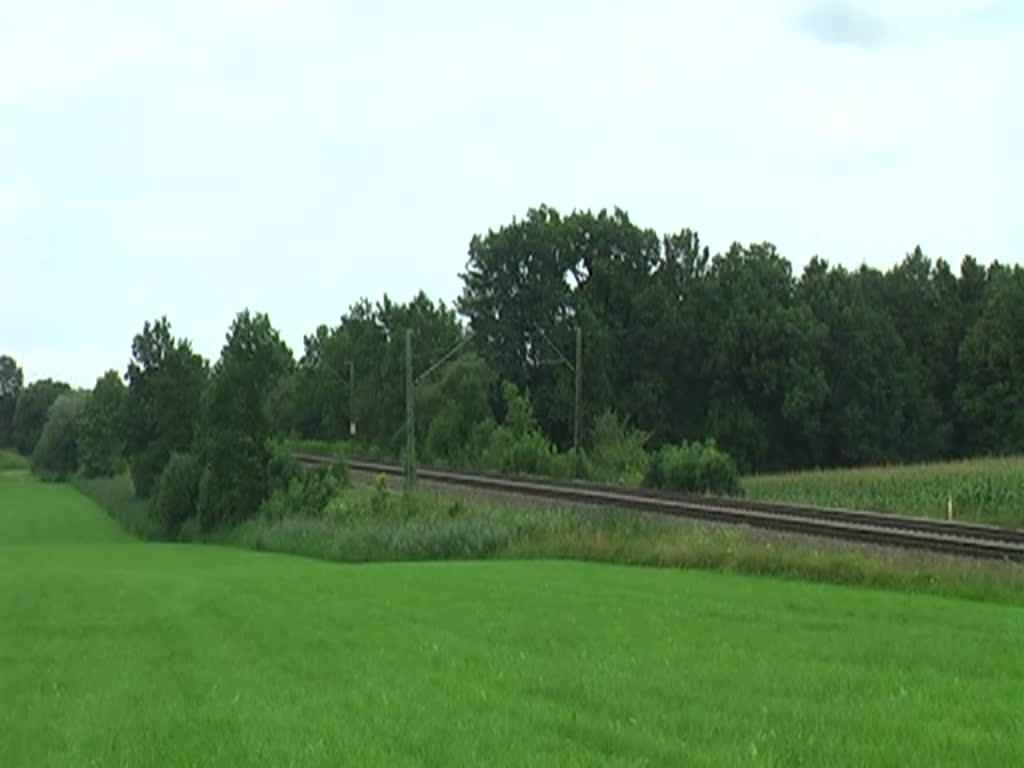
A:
x,y
120,653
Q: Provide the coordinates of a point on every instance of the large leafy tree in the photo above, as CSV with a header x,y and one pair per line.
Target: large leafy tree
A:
x,y
236,423
12,381
763,361
990,395
865,364
528,285
674,313
101,428
517,287
923,305
55,456
165,384
32,410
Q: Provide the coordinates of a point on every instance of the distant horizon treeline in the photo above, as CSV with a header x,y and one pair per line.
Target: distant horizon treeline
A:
x,y
832,367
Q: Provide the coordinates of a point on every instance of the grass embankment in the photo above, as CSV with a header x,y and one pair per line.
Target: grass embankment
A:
x,y
982,490
117,652
117,496
13,462
365,525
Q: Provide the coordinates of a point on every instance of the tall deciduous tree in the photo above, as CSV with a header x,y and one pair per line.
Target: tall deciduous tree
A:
x,y
165,384
101,428
32,410
517,288
236,423
763,363
865,364
55,456
12,381
990,395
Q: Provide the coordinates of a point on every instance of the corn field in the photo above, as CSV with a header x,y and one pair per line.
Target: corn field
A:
x,y
981,490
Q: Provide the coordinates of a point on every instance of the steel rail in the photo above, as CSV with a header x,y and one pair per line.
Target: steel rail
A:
x,y
961,538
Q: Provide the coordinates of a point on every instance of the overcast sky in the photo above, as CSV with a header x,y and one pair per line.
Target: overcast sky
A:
x,y
198,157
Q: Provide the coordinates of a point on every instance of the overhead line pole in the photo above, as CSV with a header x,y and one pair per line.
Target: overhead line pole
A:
x,y
410,398
351,398
577,369
579,398
410,418
445,358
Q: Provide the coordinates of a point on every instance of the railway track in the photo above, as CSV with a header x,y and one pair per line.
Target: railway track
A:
x,y
959,538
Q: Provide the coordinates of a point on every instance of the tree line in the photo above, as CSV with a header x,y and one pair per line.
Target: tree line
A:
x,y
831,367
724,358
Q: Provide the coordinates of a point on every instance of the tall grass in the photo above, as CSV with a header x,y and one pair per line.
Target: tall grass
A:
x,y
376,525
981,490
373,523
117,496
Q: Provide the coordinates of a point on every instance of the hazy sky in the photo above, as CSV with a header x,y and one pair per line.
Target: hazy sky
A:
x,y
198,157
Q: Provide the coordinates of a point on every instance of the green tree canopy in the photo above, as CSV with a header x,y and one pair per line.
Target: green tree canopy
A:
x,y
55,456
101,428
12,381
165,384
236,423
32,410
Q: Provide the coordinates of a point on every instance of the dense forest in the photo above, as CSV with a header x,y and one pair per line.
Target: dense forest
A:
x,y
830,367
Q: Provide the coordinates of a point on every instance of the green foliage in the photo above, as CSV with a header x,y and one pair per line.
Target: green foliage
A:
x,y
298,490
453,406
12,382
619,453
372,337
165,384
830,368
177,492
833,368
517,446
56,453
101,428
32,410
236,425
694,468
990,394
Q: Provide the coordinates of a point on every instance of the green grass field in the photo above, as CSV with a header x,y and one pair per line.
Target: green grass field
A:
x,y
984,490
117,652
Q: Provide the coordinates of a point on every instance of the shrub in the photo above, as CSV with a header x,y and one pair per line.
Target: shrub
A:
x,y
282,466
304,491
177,492
694,468
618,454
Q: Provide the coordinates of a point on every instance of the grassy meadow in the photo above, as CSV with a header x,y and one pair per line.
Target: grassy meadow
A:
x,y
982,490
120,652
